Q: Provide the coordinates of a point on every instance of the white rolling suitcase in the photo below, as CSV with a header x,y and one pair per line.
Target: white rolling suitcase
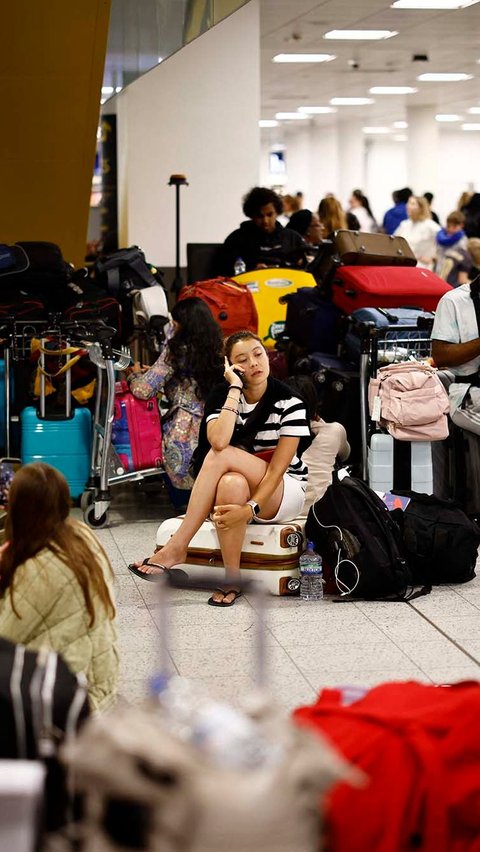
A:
x,y
270,553
382,464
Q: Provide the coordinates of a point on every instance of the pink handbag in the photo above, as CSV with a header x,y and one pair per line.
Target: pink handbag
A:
x,y
409,400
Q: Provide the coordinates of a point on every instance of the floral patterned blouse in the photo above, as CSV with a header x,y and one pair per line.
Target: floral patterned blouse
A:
x,y
181,422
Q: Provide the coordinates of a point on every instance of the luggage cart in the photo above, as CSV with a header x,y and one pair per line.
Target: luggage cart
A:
x,y
105,468
390,346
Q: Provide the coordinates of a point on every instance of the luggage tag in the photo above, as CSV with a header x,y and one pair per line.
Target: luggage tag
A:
x,y
376,409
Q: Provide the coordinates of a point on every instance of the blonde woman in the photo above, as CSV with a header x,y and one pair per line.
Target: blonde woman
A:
x,y
420,231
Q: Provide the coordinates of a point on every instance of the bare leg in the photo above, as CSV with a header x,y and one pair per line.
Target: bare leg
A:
x,y
202,499
232,488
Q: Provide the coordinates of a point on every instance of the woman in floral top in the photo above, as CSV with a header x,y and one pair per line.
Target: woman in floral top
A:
x,y
188,367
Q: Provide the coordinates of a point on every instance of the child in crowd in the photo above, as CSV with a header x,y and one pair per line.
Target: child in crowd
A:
x,y
56,582
453,258
329,444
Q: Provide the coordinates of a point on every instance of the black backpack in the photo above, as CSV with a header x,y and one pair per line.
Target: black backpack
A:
x,y
357,536
441,542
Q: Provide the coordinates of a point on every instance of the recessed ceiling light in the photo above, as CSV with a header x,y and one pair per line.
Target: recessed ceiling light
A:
x,y
400,125
351,101
303,57
316,110
361,35
290,116
160,59
376,129
107,90
447,117
469,126
267,122
444,77
400,137
118,89
474,110
102,101
432,4
392,90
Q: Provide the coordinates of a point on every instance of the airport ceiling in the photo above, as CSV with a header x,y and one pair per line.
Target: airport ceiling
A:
x,y
427,41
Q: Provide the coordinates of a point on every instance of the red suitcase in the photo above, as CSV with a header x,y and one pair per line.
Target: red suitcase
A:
x,y
386,287
231,303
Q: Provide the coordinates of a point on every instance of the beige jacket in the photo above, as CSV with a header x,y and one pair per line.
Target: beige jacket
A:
x,y
330,442
52,613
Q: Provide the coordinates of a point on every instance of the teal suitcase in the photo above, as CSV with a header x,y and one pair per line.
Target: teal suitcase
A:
x,y
65,444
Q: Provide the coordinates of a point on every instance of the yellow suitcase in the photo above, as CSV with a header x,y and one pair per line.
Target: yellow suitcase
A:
x,y
267,287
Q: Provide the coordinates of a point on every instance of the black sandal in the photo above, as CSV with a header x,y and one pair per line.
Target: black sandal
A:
x,y
176,573
225,593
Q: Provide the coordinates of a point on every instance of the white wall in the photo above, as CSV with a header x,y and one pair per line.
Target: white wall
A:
x,y
195,114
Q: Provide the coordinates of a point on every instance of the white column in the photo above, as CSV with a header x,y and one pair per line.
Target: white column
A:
x,y
323,162
351,159
422,151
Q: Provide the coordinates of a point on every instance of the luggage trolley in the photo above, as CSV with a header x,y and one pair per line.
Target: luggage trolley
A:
x,y
389,344
106,468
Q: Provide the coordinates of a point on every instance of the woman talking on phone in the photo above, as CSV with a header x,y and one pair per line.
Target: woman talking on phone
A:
x,y
252,434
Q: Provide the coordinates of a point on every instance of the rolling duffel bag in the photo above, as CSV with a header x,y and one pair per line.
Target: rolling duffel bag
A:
x,y
270,553
386,287
356,248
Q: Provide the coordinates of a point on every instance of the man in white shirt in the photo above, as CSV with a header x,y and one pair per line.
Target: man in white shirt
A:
x,y
455,334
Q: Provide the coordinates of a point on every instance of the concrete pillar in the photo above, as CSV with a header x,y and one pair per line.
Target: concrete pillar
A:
x,y
351,159
422,151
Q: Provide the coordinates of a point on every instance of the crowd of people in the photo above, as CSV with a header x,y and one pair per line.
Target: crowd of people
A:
x,y
269,236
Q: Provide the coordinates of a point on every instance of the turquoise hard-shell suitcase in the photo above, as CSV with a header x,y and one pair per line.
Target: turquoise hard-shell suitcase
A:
x,y
65,444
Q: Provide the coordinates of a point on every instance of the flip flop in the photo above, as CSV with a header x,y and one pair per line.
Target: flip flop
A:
x,y
225,593
154,578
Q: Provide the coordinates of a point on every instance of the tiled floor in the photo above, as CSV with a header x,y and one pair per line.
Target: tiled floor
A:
x,y
309,645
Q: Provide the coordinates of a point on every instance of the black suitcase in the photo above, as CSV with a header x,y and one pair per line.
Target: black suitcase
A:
x,y
312,321
338,389
355,248
39,699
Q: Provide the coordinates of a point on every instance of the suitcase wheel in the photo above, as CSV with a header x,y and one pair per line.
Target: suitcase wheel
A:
x,y
92,521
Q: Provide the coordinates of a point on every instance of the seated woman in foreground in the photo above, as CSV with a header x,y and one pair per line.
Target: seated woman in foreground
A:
x,y
248,413
56,582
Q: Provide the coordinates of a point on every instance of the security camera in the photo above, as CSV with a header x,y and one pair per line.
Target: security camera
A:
x,y
354,64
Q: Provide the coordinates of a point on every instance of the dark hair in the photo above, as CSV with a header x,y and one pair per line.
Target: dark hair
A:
x,y
237,336
300,221
259,197
358,194
428,196
404,194
304,387
37,518
196,348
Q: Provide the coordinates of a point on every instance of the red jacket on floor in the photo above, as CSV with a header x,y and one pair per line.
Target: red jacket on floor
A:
x,y
419,746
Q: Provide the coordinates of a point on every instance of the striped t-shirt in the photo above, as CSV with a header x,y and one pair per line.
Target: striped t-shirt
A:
x,y
287,417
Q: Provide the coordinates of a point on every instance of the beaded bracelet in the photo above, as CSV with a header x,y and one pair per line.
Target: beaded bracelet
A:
x,y
228,408
236,387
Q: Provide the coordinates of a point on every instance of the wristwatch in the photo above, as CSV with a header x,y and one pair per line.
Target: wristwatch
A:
x,y
254,507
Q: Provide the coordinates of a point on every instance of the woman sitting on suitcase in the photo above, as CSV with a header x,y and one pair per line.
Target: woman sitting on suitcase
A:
x,y
56,582
246,414
188,367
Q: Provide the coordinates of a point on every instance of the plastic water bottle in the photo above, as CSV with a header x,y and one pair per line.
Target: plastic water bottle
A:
x,y
311,575
239,266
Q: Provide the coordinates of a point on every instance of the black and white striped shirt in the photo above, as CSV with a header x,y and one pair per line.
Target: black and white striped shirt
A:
x,y
287,417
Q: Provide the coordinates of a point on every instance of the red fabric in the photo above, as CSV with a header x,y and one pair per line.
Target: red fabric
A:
x,y
231,303
387,287
419,746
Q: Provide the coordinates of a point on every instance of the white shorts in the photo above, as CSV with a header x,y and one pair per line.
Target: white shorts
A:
x,y
292,502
